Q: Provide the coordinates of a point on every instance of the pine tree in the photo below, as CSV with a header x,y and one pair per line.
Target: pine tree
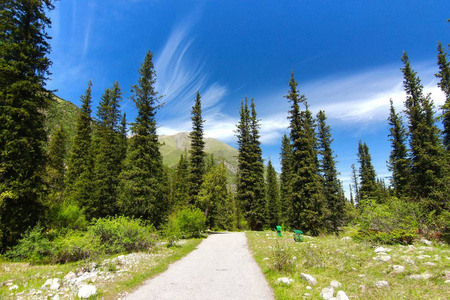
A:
x,y
355,183
143,180
429,180
285,180
197,159
107,162
327,168
399,163
180,182
123,140
272,197
80,165
307,192
55,168
24,68
367,175
444,84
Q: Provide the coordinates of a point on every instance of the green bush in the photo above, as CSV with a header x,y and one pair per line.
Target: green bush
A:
x,y
75,246
172,231
71,216
122,234
191,221
394,221
34,246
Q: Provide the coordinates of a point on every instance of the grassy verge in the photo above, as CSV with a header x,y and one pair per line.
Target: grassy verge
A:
x,y
30,278
354,264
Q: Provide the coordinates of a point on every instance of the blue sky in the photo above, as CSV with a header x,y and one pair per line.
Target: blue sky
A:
x,y
345,55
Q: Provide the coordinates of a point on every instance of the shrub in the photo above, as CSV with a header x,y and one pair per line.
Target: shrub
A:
x,y
393,222
75,246
282,258
191,221
122,234
34,247
172,230
71,216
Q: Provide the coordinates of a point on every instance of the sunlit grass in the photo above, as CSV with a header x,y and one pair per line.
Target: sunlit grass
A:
x,y
351,263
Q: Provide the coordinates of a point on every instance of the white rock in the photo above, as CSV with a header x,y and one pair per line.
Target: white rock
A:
x,y
429,263
56,297
363,288
87,291
285,280
436,257
311,280
415,277
53,284
426,275
396,269
423,257
382,284
266,258
379,249
308,287
341,295
336,284
426,242
69,276
327,292
383,258
346,238
447,281
447,274
306,295
13,288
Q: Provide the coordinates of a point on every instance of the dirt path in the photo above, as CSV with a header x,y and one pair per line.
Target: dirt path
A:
x,y
221,268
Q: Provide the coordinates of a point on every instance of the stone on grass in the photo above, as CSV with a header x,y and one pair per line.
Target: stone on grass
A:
x,y
383,258
308,287
341,295
53,284
70,276
14,287
423,257
311,280
379,249
87,291
447,274
266,258
429,263
426,275
396,269
327,292
447,281
285,280
346,238
336,284
426,242
414,276
382,284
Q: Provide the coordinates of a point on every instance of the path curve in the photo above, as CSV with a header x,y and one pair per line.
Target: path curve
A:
x,y
220,268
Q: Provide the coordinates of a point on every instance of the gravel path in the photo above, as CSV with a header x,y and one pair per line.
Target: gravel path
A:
x,y
221,268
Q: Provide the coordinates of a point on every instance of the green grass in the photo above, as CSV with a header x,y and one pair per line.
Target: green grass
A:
x,y
351,263
29,277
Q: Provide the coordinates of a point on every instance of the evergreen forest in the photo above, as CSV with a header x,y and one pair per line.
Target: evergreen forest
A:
x,y
58,182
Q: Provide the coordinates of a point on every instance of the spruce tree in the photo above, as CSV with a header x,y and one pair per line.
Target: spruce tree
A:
x,y
24,68
368,185
444,84
399,163
180,182
55,168
80,165
197,158
355,184
107,162
143,180
123,140
307,191
327,168
285,180
272,197
429,179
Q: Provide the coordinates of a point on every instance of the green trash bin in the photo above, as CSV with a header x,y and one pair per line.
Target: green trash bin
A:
x,y
279,230
298,236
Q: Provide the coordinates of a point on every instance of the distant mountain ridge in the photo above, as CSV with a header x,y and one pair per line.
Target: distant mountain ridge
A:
x,y
64,113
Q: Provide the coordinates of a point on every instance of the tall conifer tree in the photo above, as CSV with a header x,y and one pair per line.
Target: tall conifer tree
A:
x,y
327,167
180,182
367,174
399,163
444,84
355,184
285,180
197,158
429,180
55,168
141,191
272,197
24,67
307,191
107,163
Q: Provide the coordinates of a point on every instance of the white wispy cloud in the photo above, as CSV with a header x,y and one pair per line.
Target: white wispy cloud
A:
x,y
180,75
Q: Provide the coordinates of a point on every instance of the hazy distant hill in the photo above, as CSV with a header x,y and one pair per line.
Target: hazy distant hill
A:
x,y
64,113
